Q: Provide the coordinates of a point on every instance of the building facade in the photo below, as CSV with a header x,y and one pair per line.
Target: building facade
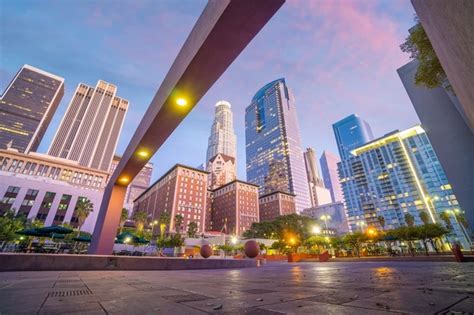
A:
x,y
221,170
234,207
328,163
275,204
48,189
90,129
222,138
317,192
273,146
139,184
351,132
397,174
27,107
331,216
182,190
446,125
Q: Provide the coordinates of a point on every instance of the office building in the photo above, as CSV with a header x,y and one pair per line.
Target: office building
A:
x,y
234,207
328,163
139,184
27,107
275,204
222,139
182,190
90,129
318,193
273,146
331,217
397,174
447,127
351,132
221,170
47,188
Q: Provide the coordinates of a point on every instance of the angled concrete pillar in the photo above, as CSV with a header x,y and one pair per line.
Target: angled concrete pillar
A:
x,y
223,30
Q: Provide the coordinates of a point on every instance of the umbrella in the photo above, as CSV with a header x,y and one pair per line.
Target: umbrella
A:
x,y
56,229
127,237
32,232
83,239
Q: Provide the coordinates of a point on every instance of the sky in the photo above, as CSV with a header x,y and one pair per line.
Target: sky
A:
x,y
338,57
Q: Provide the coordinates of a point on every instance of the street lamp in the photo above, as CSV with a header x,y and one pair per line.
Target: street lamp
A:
x,y
153,226
234,240
316,230
325,218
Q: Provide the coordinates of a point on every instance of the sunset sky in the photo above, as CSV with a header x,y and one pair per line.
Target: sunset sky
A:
x,y
338,58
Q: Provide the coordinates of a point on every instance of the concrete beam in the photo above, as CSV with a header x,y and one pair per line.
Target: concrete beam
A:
x,y
221,33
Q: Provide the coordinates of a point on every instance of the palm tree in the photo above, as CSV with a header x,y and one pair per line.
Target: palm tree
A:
x,y
424,217
192,229
83,208
409,220
140,217
178,222
381,220
123,218
445,217
164,220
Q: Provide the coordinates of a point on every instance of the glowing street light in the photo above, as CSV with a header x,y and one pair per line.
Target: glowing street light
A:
x,y
325,218
316,230
143,153
361,225
371,232
181,101
234,240
127,240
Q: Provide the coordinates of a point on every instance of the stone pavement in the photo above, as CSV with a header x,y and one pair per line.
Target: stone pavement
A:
x,y
276,288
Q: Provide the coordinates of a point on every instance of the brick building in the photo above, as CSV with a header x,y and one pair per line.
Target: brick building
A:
x,y
234,207
221,170
181,190
276,204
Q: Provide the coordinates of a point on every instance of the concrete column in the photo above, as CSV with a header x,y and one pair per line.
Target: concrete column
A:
x,y
70,209
108,220
54,208
37,204
19,198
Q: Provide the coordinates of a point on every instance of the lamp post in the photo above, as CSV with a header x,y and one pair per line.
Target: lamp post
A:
x,y
454,212
153,226
325,218
430,201
316,230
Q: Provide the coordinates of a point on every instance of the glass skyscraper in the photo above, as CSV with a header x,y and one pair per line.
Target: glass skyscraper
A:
x,y
328,163
351,132
27,107
273,146
396,174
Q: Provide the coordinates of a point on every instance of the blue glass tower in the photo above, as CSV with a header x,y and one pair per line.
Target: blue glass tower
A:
x,y
351,132
273,144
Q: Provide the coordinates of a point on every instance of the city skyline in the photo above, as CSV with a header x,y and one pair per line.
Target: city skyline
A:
x,y
324,104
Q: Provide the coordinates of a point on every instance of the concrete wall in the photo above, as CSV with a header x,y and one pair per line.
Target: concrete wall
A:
x,y
450,27
451,138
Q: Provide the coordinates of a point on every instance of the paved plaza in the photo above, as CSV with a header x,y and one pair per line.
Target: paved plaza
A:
x,y
276,288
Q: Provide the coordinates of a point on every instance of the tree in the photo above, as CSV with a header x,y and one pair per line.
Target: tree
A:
x,y
355,241
430,73
9,224
164,220
178,222
227,249
446,218
424,217
409,219
317,241
429,232
123,218
461,218
83,208
192,229
408,234
381,220
140,217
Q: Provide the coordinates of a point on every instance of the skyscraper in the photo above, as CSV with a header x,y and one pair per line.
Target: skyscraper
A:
x,y
397,174
273,146
328,163
318,193
222,138
90,129
351,132
27,106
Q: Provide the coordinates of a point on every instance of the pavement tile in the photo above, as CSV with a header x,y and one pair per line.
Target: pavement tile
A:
x,y
308,307
147,306
466,306
73,308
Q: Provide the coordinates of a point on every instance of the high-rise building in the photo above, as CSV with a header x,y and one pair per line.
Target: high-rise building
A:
x,y
397,174
328,163
27,106
234,207
221,170
139,184
182,190
276,204
318,193
273,146
222,138
447,127
90,129
351,132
